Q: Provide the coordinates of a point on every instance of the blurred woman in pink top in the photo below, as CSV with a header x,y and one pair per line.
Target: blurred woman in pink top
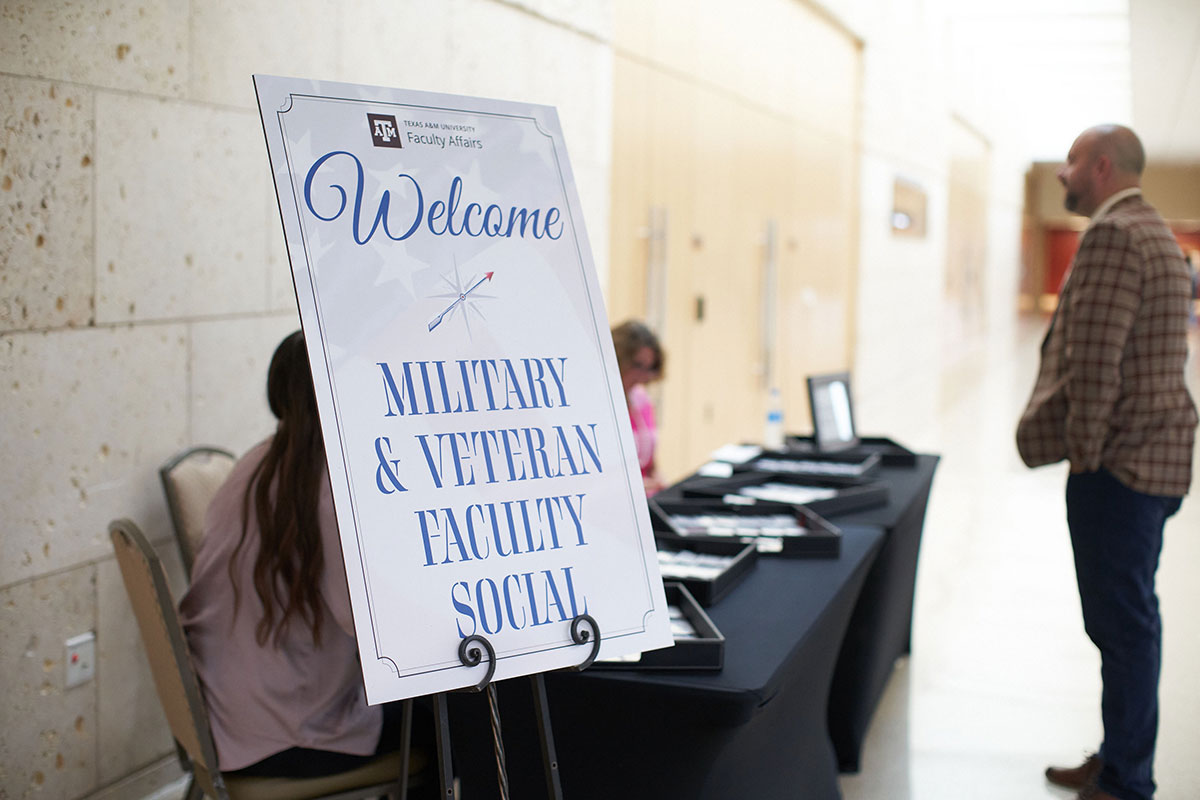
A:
x,y
640,359
267,615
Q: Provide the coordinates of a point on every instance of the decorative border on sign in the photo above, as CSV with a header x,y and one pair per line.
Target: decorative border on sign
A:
x,y
580,263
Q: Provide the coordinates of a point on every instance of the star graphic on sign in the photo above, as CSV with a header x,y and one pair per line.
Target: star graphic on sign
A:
x,y
464,299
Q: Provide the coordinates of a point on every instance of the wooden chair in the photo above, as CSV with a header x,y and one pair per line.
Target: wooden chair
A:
x,y
179,692
190,479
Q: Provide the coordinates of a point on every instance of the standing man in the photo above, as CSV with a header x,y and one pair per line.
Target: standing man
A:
x,y
1110,399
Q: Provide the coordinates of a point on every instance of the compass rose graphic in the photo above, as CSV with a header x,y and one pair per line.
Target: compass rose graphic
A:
x,y
463,298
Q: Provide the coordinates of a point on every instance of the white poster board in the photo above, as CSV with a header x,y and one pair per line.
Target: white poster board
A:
x,y
479,446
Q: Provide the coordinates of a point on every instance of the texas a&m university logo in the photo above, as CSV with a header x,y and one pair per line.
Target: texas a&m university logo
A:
x,y
384,131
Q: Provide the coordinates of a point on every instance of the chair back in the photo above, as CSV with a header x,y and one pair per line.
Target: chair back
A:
x,y
179,693
190,479
170,662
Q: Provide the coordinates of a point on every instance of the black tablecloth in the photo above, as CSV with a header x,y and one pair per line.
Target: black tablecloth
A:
x,y
756,729
880,630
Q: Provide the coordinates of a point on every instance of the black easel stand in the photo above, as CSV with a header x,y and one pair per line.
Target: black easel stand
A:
x,y
471,654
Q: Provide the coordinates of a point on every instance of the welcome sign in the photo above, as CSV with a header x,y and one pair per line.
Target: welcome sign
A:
x,y
483,470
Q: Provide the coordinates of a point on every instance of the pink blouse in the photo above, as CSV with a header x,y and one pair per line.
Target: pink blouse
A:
x,y
265,699
645,433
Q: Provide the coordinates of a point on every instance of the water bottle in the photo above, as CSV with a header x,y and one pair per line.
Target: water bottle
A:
x,y
773,432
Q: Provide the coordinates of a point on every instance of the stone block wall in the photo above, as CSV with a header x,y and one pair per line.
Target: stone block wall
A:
x,y
144,286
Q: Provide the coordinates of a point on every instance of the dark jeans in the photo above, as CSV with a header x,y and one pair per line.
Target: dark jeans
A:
x,y
302,762
1117,536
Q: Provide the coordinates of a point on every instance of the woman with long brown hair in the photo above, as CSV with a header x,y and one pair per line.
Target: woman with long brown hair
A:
x,y
267,615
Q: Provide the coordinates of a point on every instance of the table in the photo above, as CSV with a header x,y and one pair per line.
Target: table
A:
x,y
755,729
880,630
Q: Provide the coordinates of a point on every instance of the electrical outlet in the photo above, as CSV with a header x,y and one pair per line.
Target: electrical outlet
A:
x,y
81,659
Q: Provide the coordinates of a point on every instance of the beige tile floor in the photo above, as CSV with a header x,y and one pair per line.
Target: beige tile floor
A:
x,y
1002,679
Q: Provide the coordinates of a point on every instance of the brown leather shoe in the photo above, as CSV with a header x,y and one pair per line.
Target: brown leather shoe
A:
x,y
1094,792
1076,778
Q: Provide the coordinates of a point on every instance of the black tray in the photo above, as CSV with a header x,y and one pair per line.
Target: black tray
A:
x,y
820,540
891,453
708,591
841,467
706,652
848,496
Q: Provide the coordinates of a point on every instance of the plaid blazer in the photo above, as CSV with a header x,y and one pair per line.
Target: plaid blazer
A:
x,y
1110,391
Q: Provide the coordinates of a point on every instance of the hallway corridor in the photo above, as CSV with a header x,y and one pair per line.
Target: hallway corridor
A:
x,y
1003,680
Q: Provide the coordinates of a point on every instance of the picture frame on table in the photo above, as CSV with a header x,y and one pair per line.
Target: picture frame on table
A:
x,y
832,407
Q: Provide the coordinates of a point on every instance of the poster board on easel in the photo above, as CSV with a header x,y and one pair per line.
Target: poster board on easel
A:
x,y
484,474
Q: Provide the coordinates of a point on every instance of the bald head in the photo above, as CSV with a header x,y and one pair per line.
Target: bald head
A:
x,y
1103,160
1122,146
